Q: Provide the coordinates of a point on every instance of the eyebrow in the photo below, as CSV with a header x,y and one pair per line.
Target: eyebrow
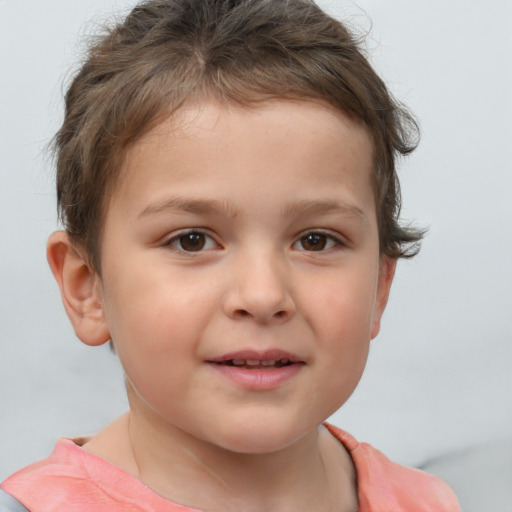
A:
x,y
323,207
212,206
191,205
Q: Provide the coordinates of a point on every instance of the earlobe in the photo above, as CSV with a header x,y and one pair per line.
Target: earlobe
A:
x,y
387,268
80,289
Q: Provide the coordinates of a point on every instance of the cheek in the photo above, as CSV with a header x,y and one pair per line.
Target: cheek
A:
x,y
156,307
343,338
341,307
157,322
157,333
340,315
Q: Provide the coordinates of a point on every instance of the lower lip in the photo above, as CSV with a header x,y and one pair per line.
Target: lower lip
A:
x,y
259,379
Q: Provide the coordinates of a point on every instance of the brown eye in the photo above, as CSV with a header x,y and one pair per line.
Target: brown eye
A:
x,y
314,242
317,241
192,242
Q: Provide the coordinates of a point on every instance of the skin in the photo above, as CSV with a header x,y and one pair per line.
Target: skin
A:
x,y
281,198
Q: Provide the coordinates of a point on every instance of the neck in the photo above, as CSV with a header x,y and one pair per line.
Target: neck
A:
x,y
314,473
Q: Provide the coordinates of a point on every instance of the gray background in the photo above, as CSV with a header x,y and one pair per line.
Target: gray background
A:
x,y
438,381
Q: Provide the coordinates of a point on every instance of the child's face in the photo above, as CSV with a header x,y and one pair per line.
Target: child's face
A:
x,y
244,236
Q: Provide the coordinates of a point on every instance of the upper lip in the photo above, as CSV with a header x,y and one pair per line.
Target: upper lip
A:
x,y
256,355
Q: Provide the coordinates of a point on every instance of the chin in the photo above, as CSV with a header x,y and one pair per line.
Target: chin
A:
x,y
258,438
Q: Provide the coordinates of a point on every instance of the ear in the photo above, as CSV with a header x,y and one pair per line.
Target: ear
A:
x,y
387,268
80,289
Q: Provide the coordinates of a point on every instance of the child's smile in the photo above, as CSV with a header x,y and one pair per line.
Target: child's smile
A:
x,y
241,275
258,370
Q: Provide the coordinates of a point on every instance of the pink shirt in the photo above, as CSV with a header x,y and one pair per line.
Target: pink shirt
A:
x,y
74,480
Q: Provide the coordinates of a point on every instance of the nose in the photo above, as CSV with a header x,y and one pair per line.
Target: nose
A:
x,y
260,291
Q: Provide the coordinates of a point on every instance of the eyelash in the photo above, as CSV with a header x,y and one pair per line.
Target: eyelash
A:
x,y
327,241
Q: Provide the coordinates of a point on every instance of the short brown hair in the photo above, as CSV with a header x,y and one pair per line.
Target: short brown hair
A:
x,y
167,52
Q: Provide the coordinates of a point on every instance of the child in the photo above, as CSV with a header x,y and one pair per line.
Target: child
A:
x,y
226,180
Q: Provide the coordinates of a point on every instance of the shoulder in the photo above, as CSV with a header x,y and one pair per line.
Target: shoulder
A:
x,y
385,486
57,481
74,480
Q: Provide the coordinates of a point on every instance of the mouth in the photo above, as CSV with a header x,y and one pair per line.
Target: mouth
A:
x,y
256,364
272,359
255,370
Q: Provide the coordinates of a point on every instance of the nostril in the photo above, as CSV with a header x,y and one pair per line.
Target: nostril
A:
x,y
243,313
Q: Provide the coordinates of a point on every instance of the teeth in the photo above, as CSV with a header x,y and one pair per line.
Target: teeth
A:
x,y
257,362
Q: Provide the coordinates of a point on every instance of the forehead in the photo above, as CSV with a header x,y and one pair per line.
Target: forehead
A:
x,y
299,146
